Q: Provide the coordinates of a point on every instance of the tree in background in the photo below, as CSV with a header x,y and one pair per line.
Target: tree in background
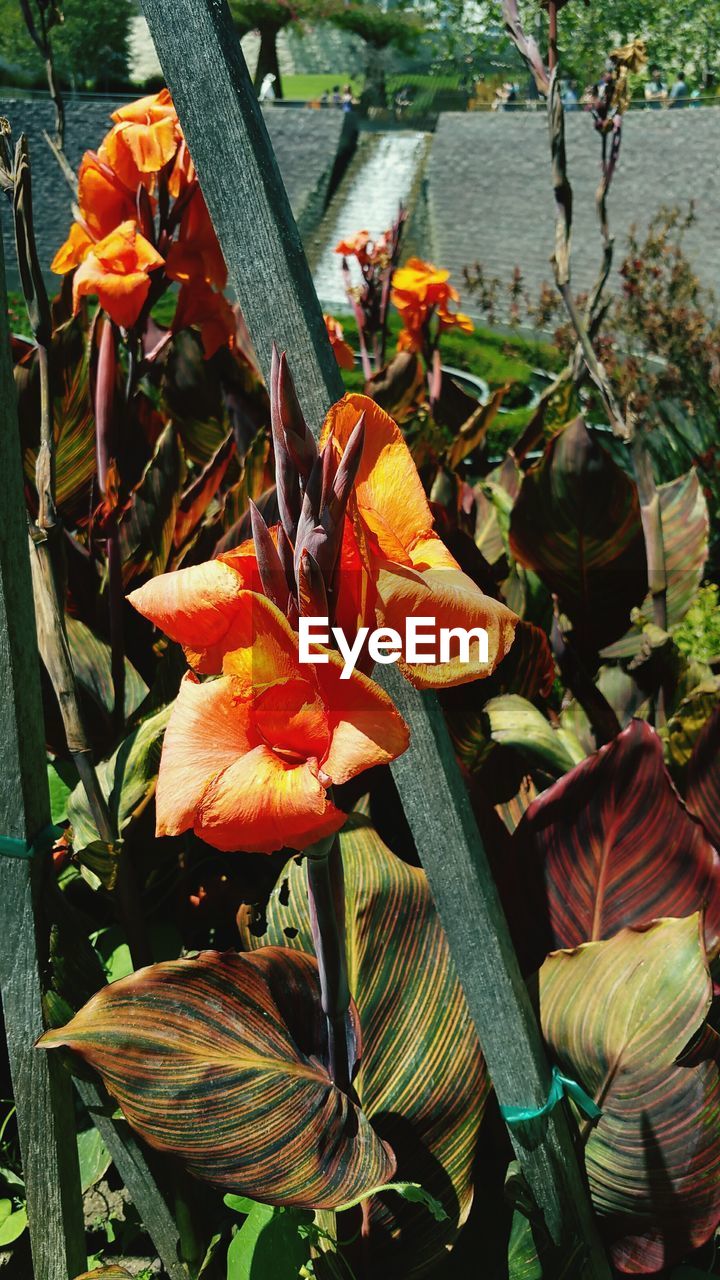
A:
x,y
678,35
380,29
269,18
89,40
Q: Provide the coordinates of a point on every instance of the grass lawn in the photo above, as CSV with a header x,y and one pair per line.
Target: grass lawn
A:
x,y
495,357
311,86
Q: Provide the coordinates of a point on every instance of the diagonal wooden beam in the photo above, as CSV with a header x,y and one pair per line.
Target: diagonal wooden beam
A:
x,y
205,70
42,1090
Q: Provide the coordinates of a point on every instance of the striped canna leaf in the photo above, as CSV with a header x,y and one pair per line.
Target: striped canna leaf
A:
x,y
685,527
577,524
422,1081
626,1018
220,1061
611,844
703,778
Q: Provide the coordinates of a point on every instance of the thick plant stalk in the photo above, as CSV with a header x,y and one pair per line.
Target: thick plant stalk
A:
x,y
327,920
624,426
106,446
39,32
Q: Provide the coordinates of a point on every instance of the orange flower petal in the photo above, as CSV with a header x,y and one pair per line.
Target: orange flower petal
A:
x,y
367,729
453,600
388,490
261,803
104,201
202,607
206,734
71,254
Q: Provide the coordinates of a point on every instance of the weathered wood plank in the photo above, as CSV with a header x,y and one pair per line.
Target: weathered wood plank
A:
x,y
42,1090
129,1160
203,63
206,72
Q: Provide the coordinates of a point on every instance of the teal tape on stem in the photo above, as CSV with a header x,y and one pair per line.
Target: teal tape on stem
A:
x,y
44,840
560,1086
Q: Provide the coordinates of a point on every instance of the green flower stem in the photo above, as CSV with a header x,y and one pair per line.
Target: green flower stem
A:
x,y
327,919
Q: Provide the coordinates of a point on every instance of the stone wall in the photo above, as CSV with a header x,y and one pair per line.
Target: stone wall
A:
x,y
490,200
308,145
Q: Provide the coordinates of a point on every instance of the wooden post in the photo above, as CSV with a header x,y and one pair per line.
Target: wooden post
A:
x,y
43,1094
205,70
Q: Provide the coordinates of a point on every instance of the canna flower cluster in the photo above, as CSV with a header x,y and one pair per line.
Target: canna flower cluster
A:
x,y
422,295
141,222
257,739
376,260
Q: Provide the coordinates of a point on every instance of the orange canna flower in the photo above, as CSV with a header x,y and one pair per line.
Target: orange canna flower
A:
x,y
392,566
342,351
201,607
210,312
196,254
145,137
103,202
419,291
116,270
71,253
248,758
356,246
407,570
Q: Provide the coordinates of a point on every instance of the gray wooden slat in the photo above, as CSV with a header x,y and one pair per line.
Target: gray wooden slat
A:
x,y
202,61
42,1090
129,1160
206,73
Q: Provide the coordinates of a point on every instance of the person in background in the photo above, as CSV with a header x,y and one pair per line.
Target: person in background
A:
x,y
336,99
325,98
267,92
679,92
568,96
347,98
655,90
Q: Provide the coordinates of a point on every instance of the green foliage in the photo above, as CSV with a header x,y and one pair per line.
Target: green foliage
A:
x,y
698,635
90,47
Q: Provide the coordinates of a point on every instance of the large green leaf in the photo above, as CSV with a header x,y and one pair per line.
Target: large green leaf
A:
x,y
611,844
703,778
92,664
128,780
577,524
626,1018
527,670
221,1062
422,1080
515,722
147,525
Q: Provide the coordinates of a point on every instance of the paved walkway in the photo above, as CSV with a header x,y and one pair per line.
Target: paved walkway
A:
x,y
490,200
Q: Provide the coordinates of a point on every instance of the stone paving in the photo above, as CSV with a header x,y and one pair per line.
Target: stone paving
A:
x,y
307,144
490,200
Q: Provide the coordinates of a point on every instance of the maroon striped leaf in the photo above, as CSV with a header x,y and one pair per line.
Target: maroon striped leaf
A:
x,y
703,778
577,524
422,1081
611,844
221,1061
626,1018
147,524
685,524
196,499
